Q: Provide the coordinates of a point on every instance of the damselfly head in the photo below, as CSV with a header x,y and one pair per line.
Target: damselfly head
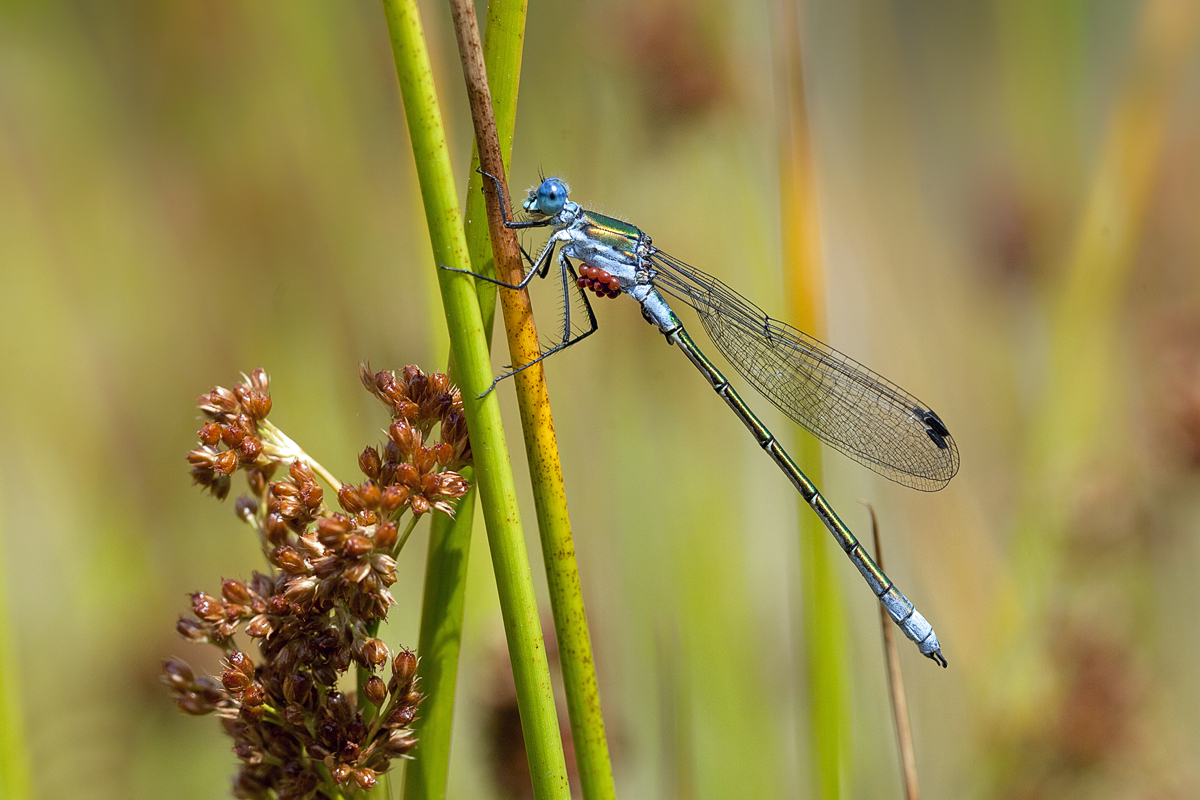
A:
x,y
547,199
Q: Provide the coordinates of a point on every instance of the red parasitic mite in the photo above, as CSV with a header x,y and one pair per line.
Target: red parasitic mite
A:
x,y
599,281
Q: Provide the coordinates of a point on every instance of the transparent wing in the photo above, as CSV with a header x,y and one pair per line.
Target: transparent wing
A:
x,y
844,404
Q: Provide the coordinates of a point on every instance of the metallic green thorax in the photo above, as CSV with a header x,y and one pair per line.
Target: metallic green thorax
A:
x,y
614,233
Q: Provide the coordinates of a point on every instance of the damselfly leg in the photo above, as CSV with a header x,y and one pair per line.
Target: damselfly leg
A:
x,y
539,268
842,402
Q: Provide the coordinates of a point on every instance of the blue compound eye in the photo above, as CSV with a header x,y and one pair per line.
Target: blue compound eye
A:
x,y
551,196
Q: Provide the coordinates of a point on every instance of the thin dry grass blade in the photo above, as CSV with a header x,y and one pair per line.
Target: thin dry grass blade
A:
x,y
518,604
908,757
541,444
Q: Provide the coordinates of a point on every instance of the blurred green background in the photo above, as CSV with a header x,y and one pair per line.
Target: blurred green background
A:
x,y
1009,205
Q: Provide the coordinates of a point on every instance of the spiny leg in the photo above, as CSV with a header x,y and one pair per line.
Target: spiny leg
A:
x,y
539,268
568,278
508,223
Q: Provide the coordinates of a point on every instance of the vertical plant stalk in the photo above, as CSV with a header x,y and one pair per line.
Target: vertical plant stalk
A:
x,y
1084,393
14,758
1073,419
823,622
442,606
522,627
504,39
904,741
439,643
541,445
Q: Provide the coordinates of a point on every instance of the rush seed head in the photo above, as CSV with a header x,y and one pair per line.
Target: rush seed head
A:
x,y
313,612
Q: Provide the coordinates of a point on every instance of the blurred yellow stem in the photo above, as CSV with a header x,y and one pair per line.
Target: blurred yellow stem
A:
x,y
518,605
541,444
1084,399
823,618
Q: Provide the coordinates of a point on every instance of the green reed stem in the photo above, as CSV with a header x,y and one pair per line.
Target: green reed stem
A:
x,y
439,644
824,639
14,758
440,638
541,444
514,583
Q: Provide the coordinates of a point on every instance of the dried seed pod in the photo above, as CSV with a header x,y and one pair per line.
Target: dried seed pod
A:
x,y
209,433
276,529
235,591
332,530
277,604
301,472
357,546
405,437
364,777
393,498
259,627
370,463
311,494
386,534
258,477
350,499
234,681
375,652
241,662
289,507
406,410
298,687
178,674
400,742
340,569
289,560
358,572
252,715
424,459
339,707
249,450
191,703
418,384
370,494
408,475
190,629
376,690
246,509
300,590
404,666
226,463
232,435
207,607
294,715
218,401
402,716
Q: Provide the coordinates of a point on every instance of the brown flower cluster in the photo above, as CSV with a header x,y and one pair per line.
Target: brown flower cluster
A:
x,y
233,422
317,610
417,402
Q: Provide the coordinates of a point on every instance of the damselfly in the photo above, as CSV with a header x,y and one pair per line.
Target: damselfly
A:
x,y
844,404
